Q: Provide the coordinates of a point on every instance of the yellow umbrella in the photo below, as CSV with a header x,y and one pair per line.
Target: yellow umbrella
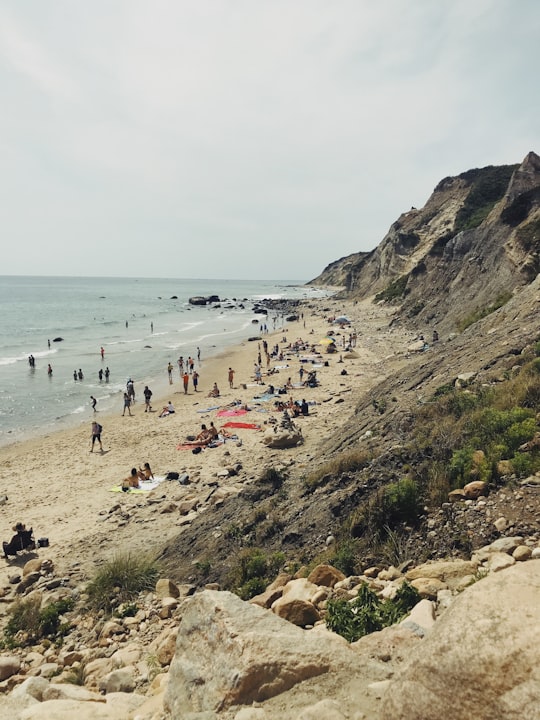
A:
x,y
326,341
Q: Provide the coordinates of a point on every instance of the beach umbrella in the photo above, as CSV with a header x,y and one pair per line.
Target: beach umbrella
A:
x,y
326,341
342,320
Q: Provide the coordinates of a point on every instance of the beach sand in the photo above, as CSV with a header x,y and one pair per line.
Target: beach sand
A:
x,y
61,489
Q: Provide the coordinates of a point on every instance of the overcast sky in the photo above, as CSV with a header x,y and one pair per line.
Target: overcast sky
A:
x,y
255,139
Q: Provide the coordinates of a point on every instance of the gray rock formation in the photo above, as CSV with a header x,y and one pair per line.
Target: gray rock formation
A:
x,y
229,652
480,659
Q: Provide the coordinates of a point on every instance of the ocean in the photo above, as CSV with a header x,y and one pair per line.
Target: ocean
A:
x,y
141,323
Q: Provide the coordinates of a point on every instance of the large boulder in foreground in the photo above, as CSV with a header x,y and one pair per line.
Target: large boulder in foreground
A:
x,y
229,652
480,659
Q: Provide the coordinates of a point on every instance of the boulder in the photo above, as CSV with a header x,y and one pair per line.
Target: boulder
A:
x,y
69,709
229,652
282,438
449,571
9,665
474,489
326,575
491,632
31,566
197,300
120,680
32,687
67,691
167,588
165,646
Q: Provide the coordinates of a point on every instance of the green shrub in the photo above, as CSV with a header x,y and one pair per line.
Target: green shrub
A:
x,y
480,313
120,580
395,291
29,622
345,558
367,613
396,503
487,188
254,571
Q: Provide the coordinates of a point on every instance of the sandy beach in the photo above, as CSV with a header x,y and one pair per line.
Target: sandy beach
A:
x,y
57,486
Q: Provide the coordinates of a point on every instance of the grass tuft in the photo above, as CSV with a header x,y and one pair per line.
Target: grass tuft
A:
x,y
120,580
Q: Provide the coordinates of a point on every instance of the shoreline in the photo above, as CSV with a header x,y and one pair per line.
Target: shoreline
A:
x,y
64,492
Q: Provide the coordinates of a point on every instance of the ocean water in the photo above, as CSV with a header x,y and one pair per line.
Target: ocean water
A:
x,y
117,314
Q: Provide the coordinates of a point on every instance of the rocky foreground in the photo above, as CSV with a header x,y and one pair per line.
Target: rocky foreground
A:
x,y
468,649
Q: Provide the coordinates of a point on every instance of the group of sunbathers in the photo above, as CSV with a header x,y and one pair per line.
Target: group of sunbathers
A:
x,y
205,437
135,477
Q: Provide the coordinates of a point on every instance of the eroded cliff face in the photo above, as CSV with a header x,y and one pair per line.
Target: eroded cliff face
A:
x,y
474,244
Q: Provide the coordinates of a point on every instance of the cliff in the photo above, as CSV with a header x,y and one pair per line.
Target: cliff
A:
x,y
474,244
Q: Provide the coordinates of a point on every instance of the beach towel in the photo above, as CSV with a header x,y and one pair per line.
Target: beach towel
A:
x,y
247,426
215,407
146,486
231,413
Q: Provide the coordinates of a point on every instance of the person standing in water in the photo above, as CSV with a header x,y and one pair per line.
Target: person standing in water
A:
x,y
107,373
49,370
93,403
102,351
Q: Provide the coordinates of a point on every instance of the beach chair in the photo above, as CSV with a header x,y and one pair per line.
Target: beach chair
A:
x,y
23,540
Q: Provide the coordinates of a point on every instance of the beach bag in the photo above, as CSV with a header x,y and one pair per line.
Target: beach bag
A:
x,y
99,428
196,450
172,476
43,542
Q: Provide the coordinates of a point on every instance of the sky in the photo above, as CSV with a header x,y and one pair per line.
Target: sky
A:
x,y
246,139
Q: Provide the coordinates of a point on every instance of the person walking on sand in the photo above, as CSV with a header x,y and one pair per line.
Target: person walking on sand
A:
x,y
231,377
93,403
147,397
185,378
127,404
169,372
195,380
96,435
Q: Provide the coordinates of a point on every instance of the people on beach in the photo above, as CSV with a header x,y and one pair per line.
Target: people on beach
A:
x,y
130,389
231,377
107,373
93,402
195,380
167,410
169,372
145,473
96,435
20,541
49,369
132,481
100,375
147,397
127,404
32,361
185,380
80,374
214,392
102,351
203,438
199,355
49,344
75,375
